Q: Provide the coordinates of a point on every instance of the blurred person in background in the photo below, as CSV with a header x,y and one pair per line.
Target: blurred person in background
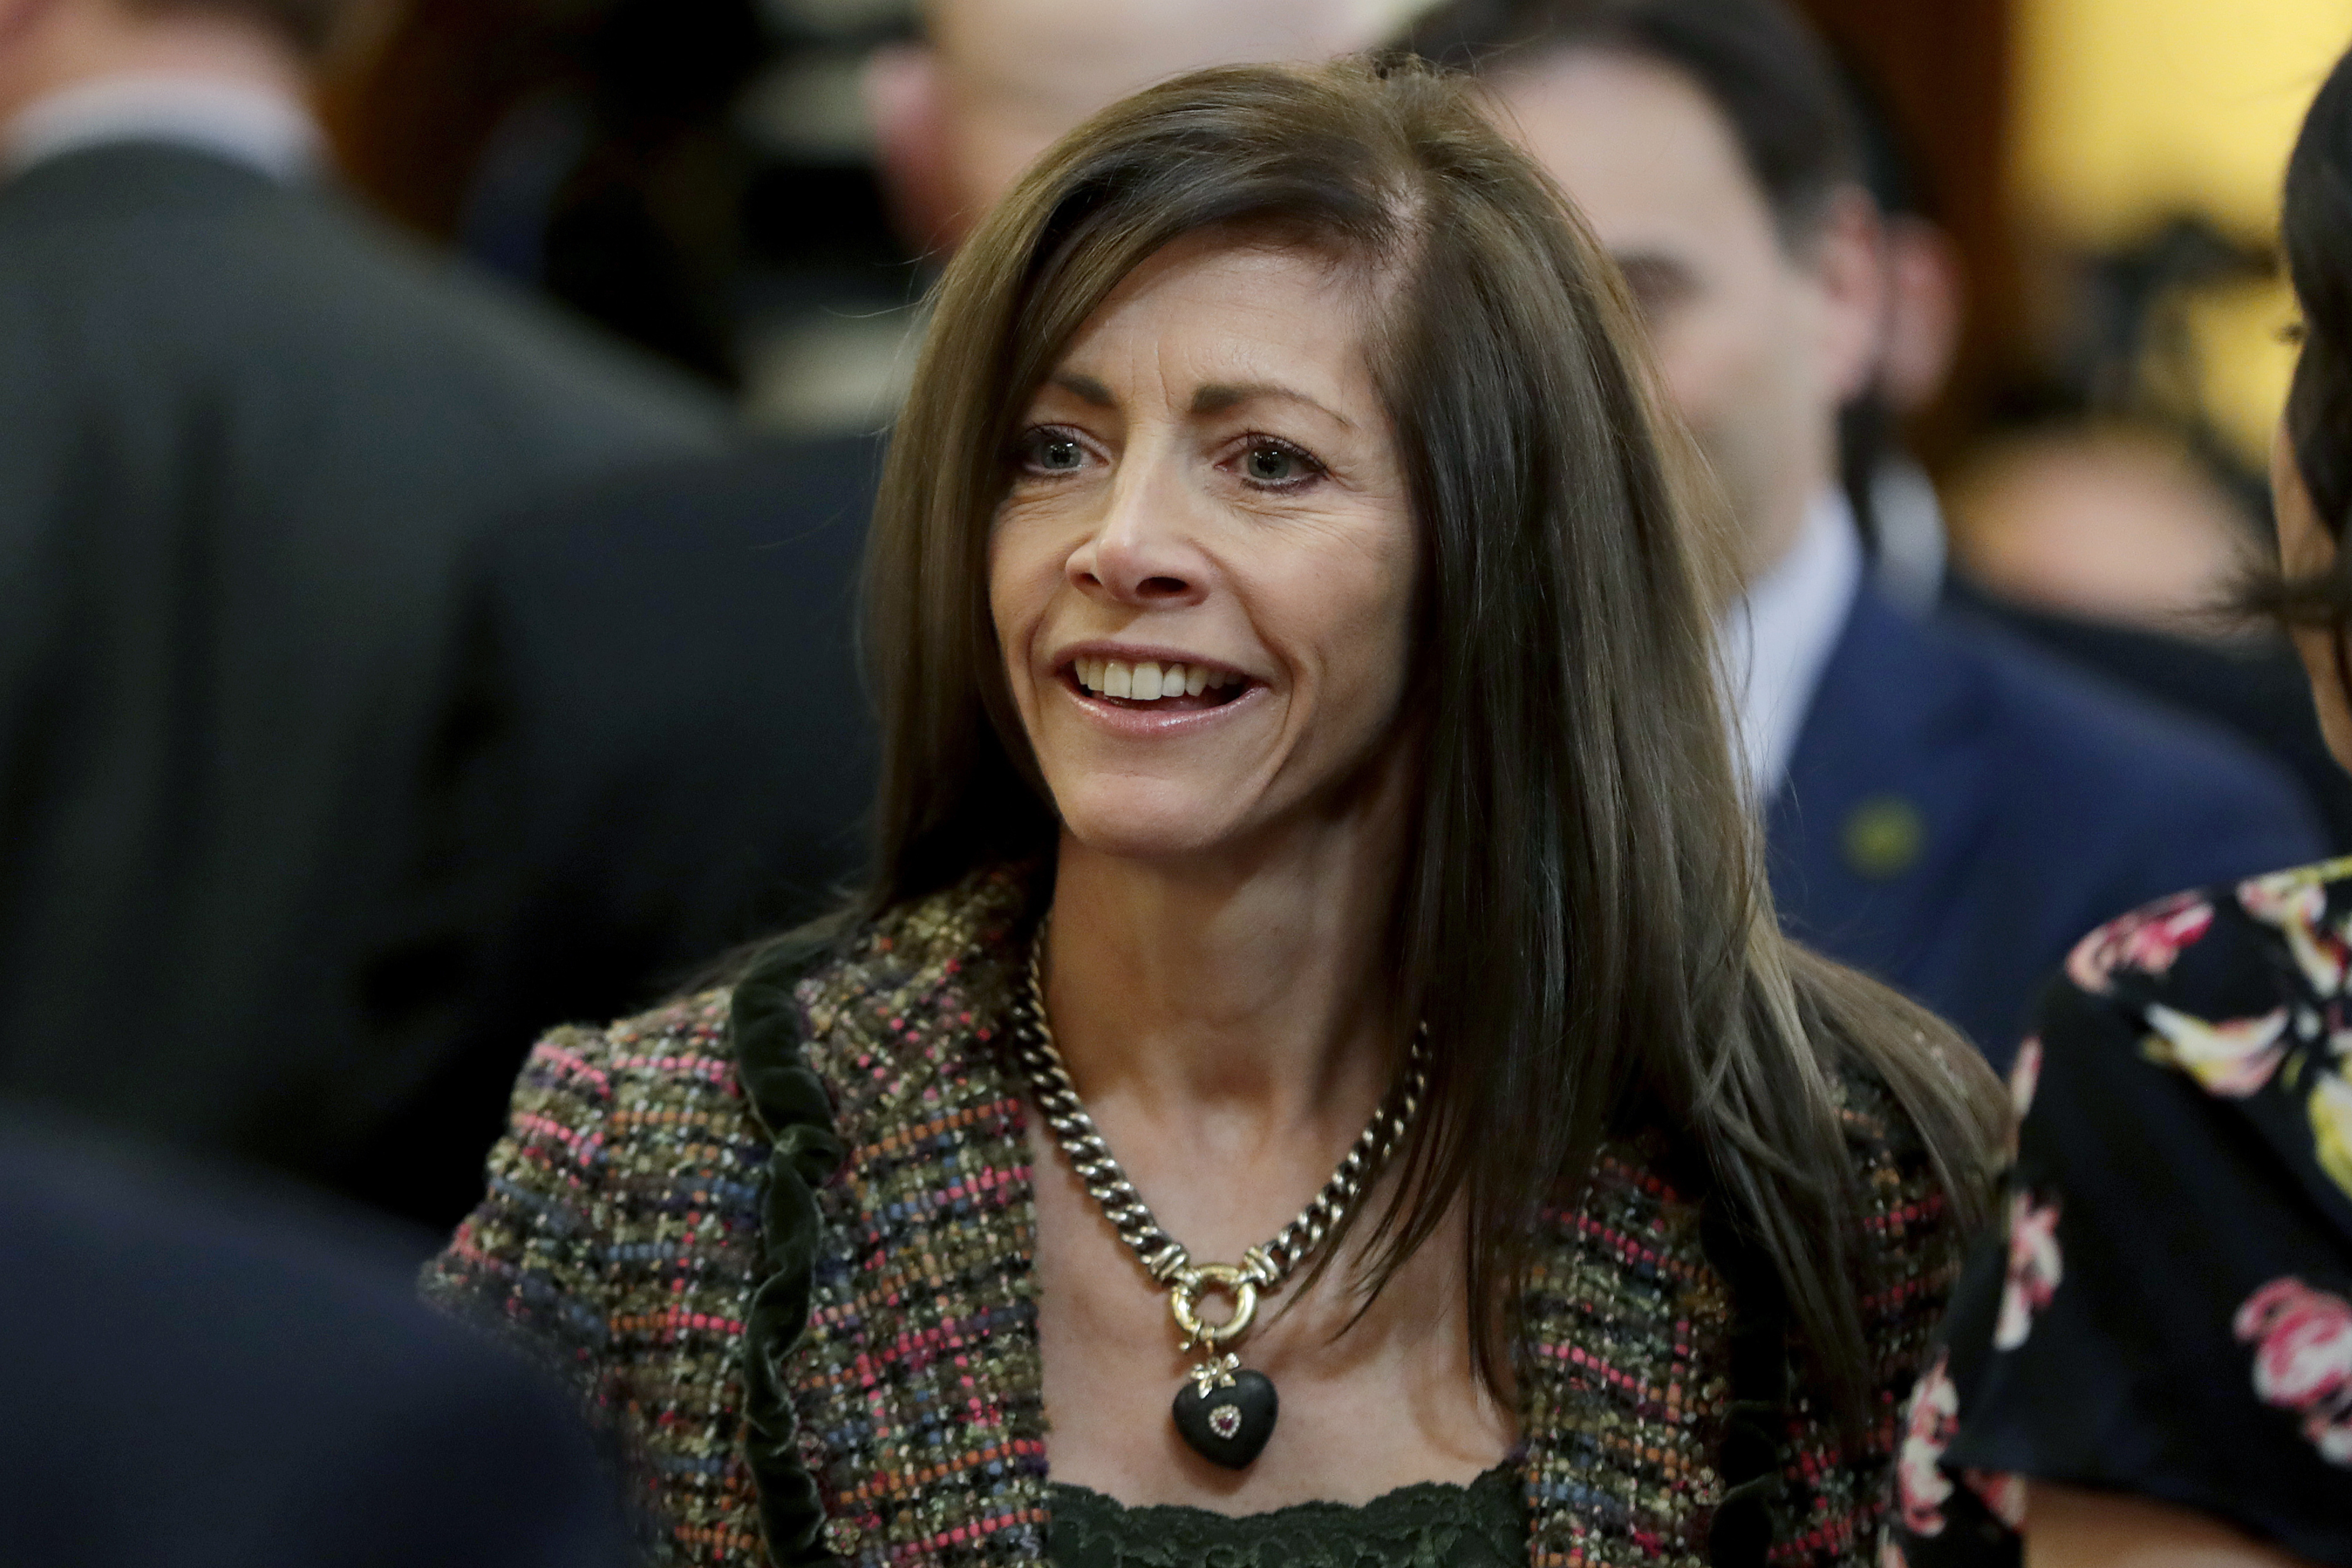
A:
x,y
248,433
2153,1365
2114,548
662,666
203,1372
2115,524
992,83
1946,810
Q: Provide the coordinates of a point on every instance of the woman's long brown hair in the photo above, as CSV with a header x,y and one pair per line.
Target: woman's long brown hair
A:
x,y
1583,922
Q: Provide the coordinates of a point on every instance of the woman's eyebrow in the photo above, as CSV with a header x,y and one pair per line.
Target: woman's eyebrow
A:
x,y
1218,396
1085,389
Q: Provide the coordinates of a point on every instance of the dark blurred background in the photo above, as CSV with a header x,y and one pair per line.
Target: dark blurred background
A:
x,y
695,175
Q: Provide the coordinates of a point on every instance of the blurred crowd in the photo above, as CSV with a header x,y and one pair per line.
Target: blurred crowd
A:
x,y
438,443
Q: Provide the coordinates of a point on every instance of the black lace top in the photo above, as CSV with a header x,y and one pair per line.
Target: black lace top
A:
x,y
1432,1525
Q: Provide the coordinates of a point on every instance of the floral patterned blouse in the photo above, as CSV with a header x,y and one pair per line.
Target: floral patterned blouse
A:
x,y
2169,1311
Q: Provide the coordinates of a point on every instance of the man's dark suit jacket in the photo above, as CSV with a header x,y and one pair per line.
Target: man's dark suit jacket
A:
x,y
671,751
248,434
203,1374
1960,809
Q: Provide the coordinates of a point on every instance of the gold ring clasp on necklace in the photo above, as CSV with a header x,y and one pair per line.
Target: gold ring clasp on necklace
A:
x,y
1238,1283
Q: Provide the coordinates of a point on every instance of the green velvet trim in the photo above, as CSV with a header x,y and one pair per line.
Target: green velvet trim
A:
x,y
790,1101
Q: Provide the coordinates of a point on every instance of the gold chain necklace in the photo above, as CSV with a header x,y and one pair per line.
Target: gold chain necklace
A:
x,y
1225,1412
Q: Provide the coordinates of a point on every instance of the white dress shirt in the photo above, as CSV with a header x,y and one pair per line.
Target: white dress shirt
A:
x,y
1777,640
254,125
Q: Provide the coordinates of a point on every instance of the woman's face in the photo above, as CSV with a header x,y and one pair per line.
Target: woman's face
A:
x,y
1202,573
2306,549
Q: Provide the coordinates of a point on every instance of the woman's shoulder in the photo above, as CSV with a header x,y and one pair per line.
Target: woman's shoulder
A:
x,y
613,1132
2195,948
664,1075
591,1098
706,1083
1910,1221
1879,1130
2179,1195
873,1011
2216,1016
2216,982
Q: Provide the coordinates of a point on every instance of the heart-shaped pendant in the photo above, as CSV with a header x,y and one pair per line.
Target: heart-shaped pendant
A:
x,y
1227,1417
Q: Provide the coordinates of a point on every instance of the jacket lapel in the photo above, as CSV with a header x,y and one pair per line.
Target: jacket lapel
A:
x,y
918,1386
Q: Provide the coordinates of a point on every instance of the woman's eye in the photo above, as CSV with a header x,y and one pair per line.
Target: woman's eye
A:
x,y
1276,463
1052,452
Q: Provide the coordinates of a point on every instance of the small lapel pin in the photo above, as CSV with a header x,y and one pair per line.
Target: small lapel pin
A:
x,y
1883,838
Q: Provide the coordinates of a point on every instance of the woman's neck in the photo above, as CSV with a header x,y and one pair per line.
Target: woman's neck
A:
x,y
1246,988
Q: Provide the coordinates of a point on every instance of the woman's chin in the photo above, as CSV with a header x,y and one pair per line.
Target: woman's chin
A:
x,y
1135,831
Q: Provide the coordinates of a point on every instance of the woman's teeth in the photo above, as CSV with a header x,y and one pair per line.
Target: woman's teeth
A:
x,y
1145,681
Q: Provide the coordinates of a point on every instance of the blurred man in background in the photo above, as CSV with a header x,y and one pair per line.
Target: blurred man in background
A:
x,y
203,1372
960,115
678,750
1946,810
2074,504
247,435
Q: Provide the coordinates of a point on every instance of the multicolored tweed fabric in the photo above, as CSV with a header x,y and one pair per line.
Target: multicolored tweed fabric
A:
x,y
1628,1322
620,1239
918,1386
622,1236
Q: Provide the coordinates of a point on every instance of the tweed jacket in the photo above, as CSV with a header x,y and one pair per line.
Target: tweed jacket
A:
x,y
782,1234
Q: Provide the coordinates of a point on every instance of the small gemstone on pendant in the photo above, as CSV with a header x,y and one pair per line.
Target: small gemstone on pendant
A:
x,y
1225,1420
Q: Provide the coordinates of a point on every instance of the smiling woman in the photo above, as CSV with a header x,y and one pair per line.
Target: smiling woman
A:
x,y
1314,1069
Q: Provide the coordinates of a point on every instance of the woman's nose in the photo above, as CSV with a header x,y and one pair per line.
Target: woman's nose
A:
x,y
1143,551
